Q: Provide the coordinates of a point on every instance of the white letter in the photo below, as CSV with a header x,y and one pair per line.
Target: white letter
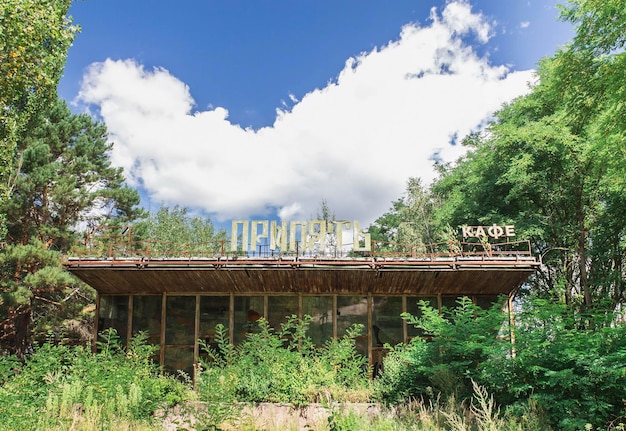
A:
x,y
509,230
467,231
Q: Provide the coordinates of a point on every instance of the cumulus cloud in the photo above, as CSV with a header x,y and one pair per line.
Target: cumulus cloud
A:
x,y
388,114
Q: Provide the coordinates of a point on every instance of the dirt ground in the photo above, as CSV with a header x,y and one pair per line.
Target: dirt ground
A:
x,y
275,417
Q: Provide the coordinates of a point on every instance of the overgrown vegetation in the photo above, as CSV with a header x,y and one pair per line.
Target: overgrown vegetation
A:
x,y
465,376
566,366
61,387
552,164
119,388
285,367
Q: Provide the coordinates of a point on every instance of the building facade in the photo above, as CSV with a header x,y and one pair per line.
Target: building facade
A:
x,y
178,297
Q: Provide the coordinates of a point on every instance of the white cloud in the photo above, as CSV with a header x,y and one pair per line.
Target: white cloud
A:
x,y
291,212
458,17
354,142
524,24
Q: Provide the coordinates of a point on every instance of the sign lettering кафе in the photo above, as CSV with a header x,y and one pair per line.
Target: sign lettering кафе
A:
x,y
494,231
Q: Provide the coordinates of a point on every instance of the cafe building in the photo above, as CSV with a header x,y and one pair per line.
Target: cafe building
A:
x,y
331,271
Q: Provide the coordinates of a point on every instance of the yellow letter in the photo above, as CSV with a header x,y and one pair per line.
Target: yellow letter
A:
x,y
293,226
339,231
278,236
317,233
254,238
235,235
358,233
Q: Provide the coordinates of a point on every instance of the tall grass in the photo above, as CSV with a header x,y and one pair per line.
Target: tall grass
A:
x,y
70,388
61,387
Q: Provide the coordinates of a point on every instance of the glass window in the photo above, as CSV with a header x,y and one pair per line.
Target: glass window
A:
x,y
353,310
386,321
448,303
113,313
279,308
179,359
180,322
451,303
320,308
413,308
248,311
487,302
214,310
147,317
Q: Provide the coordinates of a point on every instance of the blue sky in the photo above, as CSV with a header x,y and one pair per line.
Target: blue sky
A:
x,y
262,109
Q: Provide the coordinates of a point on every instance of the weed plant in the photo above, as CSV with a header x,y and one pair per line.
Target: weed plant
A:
x,y
62,387
567,374
285,366
569,369
280,367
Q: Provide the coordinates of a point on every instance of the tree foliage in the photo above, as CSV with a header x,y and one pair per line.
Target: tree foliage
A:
x,y
176,231
65,184
66,181
34,38
552,163
410,220
567,364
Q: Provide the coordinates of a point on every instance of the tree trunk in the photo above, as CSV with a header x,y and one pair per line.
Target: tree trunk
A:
x,y
22,323
582,262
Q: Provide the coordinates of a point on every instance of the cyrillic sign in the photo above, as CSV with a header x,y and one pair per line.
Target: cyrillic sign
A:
x,y
493,231
297,236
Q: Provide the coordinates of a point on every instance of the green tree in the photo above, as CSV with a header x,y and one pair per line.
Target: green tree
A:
x,y
384,230
175,231
573,372
65,184
537,168
409,222
525,172
593,69
34,38
571,364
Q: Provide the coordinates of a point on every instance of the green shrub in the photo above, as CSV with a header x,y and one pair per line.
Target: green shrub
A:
x,y
64,382
568,366
461,340
571,364
285,367
404,375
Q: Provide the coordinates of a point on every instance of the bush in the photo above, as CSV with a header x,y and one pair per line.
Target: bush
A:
x,y
285,367
66,382
571,364
460,341
567,365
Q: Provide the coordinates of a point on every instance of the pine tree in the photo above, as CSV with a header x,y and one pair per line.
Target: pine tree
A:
x,y
65,184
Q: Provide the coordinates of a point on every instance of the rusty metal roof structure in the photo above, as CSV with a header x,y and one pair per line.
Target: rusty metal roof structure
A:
x,y
499,271
120,266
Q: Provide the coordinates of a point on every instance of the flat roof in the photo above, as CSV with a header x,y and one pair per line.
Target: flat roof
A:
x,y
479,274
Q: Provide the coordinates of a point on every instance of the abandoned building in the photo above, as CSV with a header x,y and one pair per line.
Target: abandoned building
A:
x,y
178,294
